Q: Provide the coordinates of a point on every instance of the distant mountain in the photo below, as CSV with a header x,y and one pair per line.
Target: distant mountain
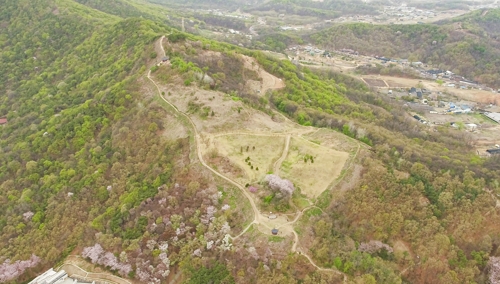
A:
x,y
468,45
210,4
113,7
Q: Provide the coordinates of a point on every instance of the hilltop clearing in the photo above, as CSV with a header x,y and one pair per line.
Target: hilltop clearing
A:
x,y
268,224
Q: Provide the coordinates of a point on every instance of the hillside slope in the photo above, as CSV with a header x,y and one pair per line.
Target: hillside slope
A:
x,y
100,158
67,90
468,45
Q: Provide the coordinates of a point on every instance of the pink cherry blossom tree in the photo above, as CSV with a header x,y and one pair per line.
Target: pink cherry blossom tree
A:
x,y
494,268
28,215
374,246
283,185
93,252
97,255
9,271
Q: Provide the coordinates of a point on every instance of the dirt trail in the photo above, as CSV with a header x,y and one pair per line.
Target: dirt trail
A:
x,y
71,267
269,82
278,163
321,268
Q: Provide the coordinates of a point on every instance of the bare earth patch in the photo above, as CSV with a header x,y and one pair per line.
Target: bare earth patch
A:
x,y
332,139
269,82
216,112
77,267
225,166
312,177
375,82
173,129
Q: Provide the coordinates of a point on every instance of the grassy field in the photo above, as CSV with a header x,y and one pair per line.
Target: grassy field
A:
x,y
323,166
253,154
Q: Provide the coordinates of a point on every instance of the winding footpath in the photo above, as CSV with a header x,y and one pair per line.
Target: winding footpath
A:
x,y
258,216
75,271
277,164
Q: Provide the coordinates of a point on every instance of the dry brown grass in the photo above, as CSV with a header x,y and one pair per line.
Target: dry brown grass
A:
x,y
312,178
375,82
267,150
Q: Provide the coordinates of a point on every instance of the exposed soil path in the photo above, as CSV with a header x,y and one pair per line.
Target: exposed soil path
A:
x,y
74,270
278,163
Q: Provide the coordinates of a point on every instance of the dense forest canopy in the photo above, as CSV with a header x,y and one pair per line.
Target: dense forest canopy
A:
x,y
87,165
67,88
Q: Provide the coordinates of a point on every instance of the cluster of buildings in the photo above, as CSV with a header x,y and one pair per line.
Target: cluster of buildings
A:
x,y
393,14
307,49
458,80
313,51
218,12
454,80
405,13
426,97
480,6
453,108
349,51
418,92
290,28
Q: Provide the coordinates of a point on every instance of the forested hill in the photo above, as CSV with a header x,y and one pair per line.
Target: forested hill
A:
x,y
94,163
65,87
468,45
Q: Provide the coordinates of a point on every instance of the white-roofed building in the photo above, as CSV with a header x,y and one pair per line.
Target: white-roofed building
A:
x,y
55,277
495,116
